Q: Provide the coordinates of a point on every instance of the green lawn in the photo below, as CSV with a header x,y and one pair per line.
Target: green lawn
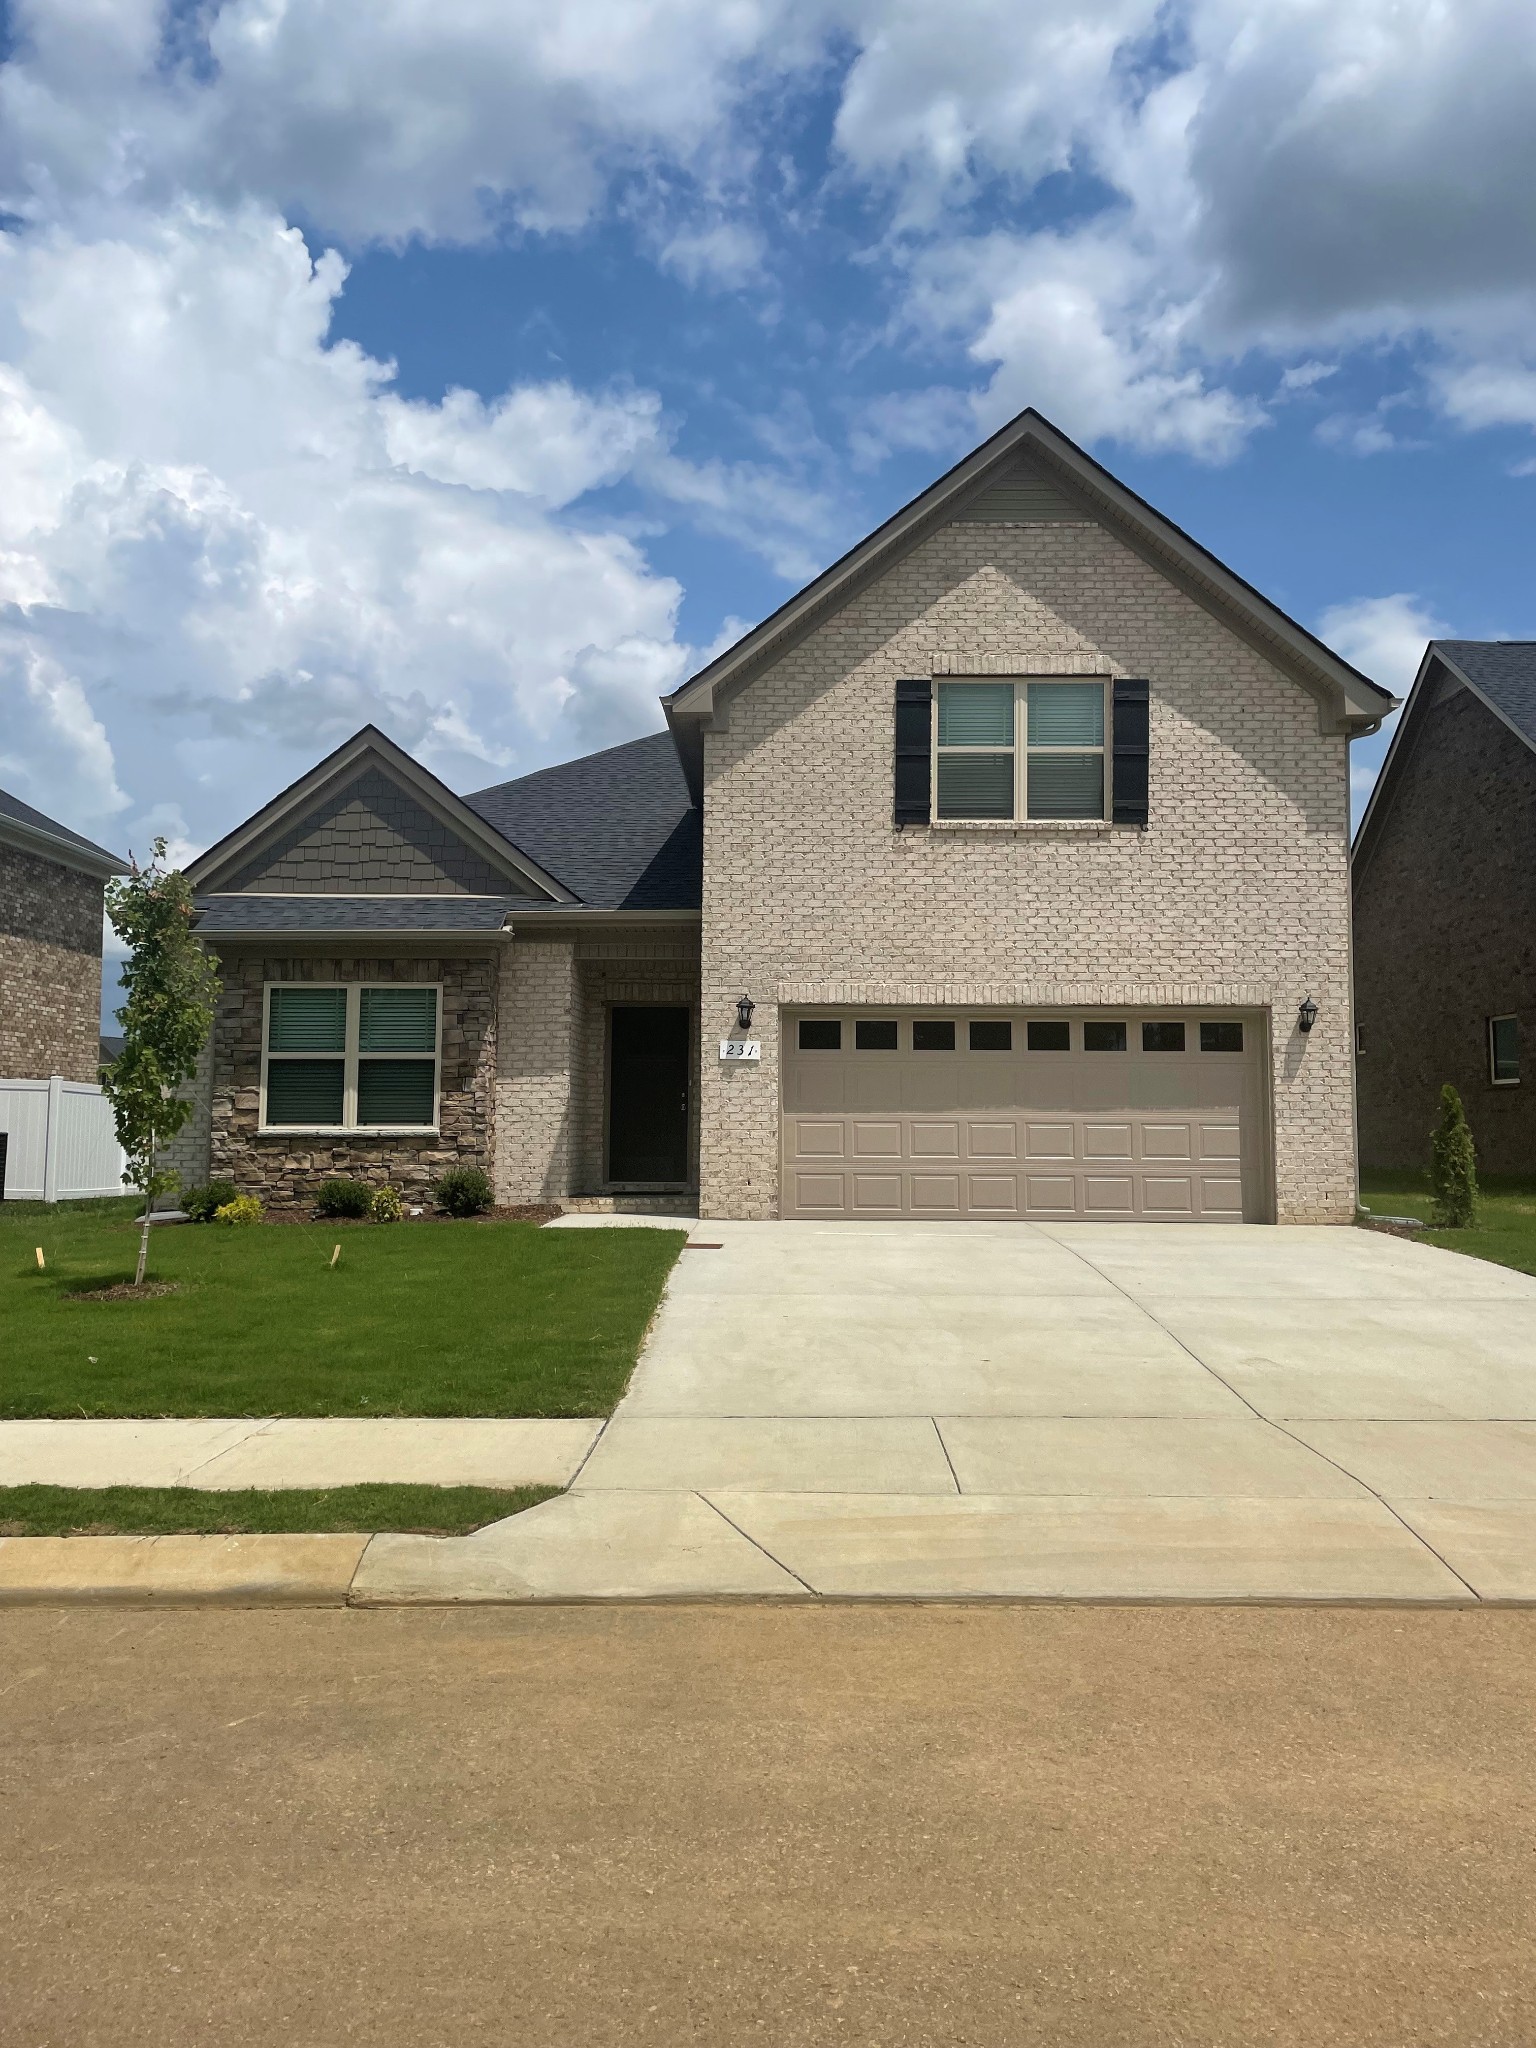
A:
x,y
415,1318
1505,1230
185,1510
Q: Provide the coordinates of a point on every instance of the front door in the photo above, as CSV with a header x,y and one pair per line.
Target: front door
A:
x,y
648,1095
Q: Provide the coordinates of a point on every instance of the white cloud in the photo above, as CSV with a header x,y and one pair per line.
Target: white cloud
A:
x,y
233,543
1383,637
723,255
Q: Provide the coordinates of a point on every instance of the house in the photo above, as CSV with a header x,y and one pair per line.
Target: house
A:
x,y
1445,912
51,888
1000,873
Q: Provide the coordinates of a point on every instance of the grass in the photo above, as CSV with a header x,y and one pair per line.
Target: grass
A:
x,y
1505,1230
496,1318
185,1510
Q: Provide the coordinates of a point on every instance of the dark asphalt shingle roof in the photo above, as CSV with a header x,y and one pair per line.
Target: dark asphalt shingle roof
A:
x,y
23,814
617,828
230,916
1505,672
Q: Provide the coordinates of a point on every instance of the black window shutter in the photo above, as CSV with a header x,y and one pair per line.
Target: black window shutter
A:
x,y
1131,751
914,752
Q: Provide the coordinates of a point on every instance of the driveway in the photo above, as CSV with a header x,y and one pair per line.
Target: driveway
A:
x,y
1049,1411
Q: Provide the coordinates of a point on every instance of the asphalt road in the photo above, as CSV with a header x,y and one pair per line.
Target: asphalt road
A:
x,y
695,1825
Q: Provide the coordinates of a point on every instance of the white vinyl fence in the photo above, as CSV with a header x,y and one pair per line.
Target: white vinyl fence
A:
x,y
62,1145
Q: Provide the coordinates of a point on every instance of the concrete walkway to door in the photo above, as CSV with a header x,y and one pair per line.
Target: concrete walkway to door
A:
x,y
1071,1411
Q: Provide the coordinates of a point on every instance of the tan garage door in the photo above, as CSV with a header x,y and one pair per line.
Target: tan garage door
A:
x,y
1143,1117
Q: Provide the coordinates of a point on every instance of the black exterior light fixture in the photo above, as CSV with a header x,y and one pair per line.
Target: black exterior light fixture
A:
x,y
1306,1014
744,1008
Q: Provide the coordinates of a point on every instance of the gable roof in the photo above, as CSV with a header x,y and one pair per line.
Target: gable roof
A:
x,y
216,868
33,832
1352,702
619,828
1501,674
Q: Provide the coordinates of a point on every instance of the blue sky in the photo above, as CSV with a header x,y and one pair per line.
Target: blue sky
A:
x,y
478,370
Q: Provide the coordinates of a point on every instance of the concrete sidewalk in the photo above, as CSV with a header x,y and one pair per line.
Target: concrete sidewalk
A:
x,y
232,1453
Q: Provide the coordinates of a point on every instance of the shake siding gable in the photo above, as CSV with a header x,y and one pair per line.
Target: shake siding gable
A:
x,y
1236,892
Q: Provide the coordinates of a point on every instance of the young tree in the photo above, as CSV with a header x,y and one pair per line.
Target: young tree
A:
x,y
1453,1165
166,1019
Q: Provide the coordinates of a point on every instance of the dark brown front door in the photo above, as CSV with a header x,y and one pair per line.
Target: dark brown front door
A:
x,y
648,1095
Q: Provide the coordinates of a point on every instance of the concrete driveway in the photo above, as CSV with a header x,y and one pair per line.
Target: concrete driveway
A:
x,y
1065,1411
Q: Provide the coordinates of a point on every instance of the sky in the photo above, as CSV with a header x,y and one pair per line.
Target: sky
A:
x,y
480,368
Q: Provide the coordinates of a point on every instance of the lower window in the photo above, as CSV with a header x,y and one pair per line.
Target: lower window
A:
x,y
1503,1051
350,1056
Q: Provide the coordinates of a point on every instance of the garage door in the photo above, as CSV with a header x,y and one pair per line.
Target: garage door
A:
x,y
1143,1117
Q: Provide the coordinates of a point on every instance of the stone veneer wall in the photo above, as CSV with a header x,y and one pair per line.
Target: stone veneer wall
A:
x,y
285,1170
1445,938
50,969
1237,893
551,1083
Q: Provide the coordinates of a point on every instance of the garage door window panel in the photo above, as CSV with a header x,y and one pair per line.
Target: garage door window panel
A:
x,y
1162,1034
1100,1035
821,1034
1221,1034
875,1034
933,1034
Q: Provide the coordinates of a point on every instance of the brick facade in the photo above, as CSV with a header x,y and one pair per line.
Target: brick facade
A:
x,y
50,969
1445,938
286,1169
552,1081
1237,893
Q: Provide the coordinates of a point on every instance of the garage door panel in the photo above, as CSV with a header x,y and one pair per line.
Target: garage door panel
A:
x,y
935,1141
1106,1140
992,1140
1160,1136
818,1138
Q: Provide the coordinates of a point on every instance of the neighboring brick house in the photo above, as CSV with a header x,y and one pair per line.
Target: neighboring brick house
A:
x,y
1445,912
51,886
988,877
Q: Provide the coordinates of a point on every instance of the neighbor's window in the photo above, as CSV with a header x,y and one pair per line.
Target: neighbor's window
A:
x,y
350,1056
1504,1051
1017,750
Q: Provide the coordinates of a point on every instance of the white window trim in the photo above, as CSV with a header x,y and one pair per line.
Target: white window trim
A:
x,y
1021,751
349,1057
1510,1081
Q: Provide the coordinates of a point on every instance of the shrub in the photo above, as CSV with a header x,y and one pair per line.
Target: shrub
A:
x,y
463,1191
243,1209
343,1198
385,1205
1453,1166
201,1204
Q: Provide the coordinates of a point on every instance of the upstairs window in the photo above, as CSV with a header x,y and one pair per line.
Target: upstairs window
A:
x,y
1021,750
1504,1051
350,1057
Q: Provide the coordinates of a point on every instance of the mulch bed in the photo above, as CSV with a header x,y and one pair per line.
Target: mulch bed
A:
x,y
124,1290
530,1212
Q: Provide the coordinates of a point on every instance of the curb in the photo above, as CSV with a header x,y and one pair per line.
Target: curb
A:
x,y
179,1571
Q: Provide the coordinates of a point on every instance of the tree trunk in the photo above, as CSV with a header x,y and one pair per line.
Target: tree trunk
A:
x,y
138,1277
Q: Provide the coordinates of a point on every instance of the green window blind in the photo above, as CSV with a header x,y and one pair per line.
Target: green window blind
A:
x,y
1066,785
975,714
394,1091
397,1020
1066,714
307,1020
304,1091
975,785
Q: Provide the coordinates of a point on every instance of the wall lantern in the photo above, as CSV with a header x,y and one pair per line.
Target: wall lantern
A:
x,y
1306,1015
744,1008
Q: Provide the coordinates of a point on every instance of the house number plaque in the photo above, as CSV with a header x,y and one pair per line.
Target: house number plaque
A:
x,y
738,1049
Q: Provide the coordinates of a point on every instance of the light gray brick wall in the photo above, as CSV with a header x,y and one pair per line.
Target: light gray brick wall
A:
x,y
1236,893
188,1152
535,1071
